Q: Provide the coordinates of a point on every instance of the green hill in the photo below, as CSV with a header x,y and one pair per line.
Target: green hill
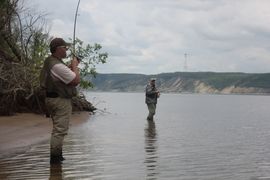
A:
x,y
191,82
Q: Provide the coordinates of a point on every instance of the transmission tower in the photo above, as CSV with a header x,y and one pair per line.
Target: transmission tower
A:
x,y
185,63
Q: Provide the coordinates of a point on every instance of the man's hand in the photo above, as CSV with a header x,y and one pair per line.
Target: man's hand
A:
x,y
74,61
74,67
158,94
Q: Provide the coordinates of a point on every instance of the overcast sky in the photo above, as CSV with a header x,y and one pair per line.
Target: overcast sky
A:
x,y
153,36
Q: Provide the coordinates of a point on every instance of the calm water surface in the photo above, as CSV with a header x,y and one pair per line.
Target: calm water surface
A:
x,y
193,137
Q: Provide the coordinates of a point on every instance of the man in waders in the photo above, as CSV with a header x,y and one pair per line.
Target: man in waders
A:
x,y
151,95
59,83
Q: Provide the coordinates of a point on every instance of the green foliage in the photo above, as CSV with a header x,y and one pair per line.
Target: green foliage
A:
x,y
23,49
90,55
222,80
256,80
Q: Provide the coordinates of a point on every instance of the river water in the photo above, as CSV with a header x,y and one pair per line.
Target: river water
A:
x,y
193,137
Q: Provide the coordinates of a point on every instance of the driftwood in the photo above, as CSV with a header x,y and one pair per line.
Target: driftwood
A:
x,y
79,103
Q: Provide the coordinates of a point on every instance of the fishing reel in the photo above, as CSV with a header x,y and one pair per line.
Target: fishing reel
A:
x,y
79,57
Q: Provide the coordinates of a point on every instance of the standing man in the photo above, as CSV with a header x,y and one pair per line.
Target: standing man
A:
x,y
151,95
59,82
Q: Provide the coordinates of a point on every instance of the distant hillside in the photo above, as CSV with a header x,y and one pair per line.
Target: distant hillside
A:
x,y
187,82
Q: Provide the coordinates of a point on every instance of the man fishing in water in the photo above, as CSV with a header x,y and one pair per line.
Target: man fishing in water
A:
x,y
151,96
59,81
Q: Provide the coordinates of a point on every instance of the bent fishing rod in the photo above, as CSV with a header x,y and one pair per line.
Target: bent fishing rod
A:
x,y
73,50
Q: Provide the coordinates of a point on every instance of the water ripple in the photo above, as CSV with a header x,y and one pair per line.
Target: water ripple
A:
x,y
200,140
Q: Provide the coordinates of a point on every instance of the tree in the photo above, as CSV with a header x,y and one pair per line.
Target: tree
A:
x,y
23,48
90,56
20,31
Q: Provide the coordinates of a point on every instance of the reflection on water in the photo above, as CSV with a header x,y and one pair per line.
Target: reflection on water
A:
x,y
151,147
33,164
193,137
56,172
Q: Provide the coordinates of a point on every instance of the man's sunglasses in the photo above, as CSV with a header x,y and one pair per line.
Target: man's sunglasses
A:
x,y
66,47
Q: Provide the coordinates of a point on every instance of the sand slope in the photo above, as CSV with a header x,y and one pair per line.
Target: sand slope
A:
x,y
20,131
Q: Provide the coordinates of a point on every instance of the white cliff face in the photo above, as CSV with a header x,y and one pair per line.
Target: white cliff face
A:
x,y
241,90
200,87
206,83
179,85
228,90
176,86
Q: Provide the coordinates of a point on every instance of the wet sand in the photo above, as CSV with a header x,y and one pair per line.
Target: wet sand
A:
x,y
19,132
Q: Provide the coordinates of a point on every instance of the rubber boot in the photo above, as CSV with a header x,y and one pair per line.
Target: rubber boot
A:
x,y
56,156
55,159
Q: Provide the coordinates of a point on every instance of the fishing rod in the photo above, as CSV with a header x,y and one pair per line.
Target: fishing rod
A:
x,y
73,50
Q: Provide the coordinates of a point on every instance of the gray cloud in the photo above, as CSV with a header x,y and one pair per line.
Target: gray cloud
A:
x,y
152,36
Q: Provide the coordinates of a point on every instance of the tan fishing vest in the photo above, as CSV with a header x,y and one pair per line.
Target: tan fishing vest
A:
x,y
47,83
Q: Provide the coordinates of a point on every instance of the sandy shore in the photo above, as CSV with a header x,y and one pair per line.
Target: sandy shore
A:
x,y
19,132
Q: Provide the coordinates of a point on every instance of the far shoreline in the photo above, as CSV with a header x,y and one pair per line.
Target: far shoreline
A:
x,y
187,93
